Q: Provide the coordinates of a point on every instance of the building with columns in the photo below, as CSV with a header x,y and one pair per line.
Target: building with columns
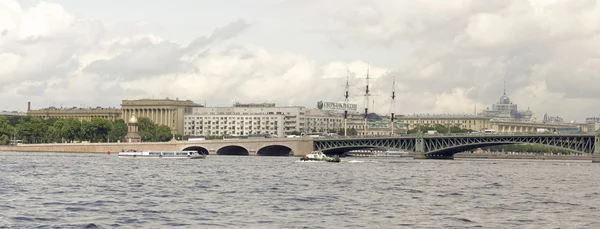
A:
x,y
77,112
169,112
530,127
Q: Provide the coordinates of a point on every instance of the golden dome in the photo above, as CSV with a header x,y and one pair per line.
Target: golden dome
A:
x,y
133,119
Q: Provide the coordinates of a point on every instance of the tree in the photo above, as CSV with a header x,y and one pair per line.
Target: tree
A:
x,y
118,130
5,127
68,129
352,132
4,140
52,135
101,127
163,134
146,129
31,129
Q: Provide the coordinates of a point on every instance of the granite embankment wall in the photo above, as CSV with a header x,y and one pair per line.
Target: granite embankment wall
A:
x,y
521,156
88,148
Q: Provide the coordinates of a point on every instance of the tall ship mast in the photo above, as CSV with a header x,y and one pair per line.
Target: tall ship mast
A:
x,y
346,104
393,105
366,100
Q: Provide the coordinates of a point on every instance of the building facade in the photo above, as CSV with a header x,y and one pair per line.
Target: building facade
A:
x,y
169,112
76,112
593,123
505,110
382,128
319,121
530,127
12,113
233,124
293,116
463,121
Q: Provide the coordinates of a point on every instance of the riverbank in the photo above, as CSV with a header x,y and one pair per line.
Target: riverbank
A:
x,y
521,156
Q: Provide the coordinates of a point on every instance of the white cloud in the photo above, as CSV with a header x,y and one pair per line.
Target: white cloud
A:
x,y
460,53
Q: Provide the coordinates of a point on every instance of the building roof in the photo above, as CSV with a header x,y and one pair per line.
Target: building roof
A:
x,y
442,116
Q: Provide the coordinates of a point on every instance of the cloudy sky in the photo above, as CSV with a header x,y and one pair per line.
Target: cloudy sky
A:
x,y
446,56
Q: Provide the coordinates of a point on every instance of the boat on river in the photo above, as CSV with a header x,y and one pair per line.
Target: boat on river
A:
x,y
319,156
191,154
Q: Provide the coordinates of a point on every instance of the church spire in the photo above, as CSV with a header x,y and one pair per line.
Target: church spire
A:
x,y
505,85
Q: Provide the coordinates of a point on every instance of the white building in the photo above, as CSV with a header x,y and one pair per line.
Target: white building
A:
x,y
257,119
322,122
233,124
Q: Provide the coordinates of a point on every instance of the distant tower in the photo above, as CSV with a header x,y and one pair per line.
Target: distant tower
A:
x,y
132,129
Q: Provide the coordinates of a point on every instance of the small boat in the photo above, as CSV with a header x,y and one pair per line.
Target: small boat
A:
x,y
163,154
319,156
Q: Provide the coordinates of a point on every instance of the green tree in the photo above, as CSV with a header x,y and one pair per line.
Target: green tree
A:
x,y
101,129
163,134
68,129
5,127
118,130
146,129
52,135
4,140
87,131
352,132
31,129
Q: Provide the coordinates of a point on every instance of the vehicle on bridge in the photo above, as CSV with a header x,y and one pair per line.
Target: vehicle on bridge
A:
x,y
162,154
568,130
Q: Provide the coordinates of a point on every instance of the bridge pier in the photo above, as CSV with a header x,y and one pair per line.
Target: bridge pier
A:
x,y
596,155
419,147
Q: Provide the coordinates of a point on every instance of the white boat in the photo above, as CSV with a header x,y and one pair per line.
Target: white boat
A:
x,y
319,156
163,154
391,153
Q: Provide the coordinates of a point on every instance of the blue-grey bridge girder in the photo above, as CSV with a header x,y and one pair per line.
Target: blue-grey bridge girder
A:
x,y
407,144
441,144
449,144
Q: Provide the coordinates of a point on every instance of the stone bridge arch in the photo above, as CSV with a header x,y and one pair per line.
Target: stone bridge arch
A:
x,y
200,149
233,150
275,150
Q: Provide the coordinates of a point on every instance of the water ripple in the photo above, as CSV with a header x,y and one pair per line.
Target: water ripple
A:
x,y
88,191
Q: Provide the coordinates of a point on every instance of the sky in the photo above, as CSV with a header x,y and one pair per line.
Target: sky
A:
x,y
445,57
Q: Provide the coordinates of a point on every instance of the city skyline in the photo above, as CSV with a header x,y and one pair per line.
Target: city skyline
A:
x,y
447,57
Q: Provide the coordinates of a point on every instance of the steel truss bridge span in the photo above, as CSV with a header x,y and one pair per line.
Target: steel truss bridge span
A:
x,y
445,146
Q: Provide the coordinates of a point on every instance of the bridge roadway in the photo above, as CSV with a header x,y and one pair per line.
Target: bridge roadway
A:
x,y
421,146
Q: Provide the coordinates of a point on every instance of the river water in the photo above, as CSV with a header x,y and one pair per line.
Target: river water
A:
x,y
54,190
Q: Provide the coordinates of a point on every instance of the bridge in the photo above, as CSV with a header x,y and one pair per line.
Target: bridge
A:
x,y
446,145
421,146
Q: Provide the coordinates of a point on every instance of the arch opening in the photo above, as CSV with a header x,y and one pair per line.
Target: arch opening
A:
x,y
233,150
200,149
275,150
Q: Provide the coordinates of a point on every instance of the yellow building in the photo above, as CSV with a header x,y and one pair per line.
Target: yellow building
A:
x,y
473,122
76,112
167,111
